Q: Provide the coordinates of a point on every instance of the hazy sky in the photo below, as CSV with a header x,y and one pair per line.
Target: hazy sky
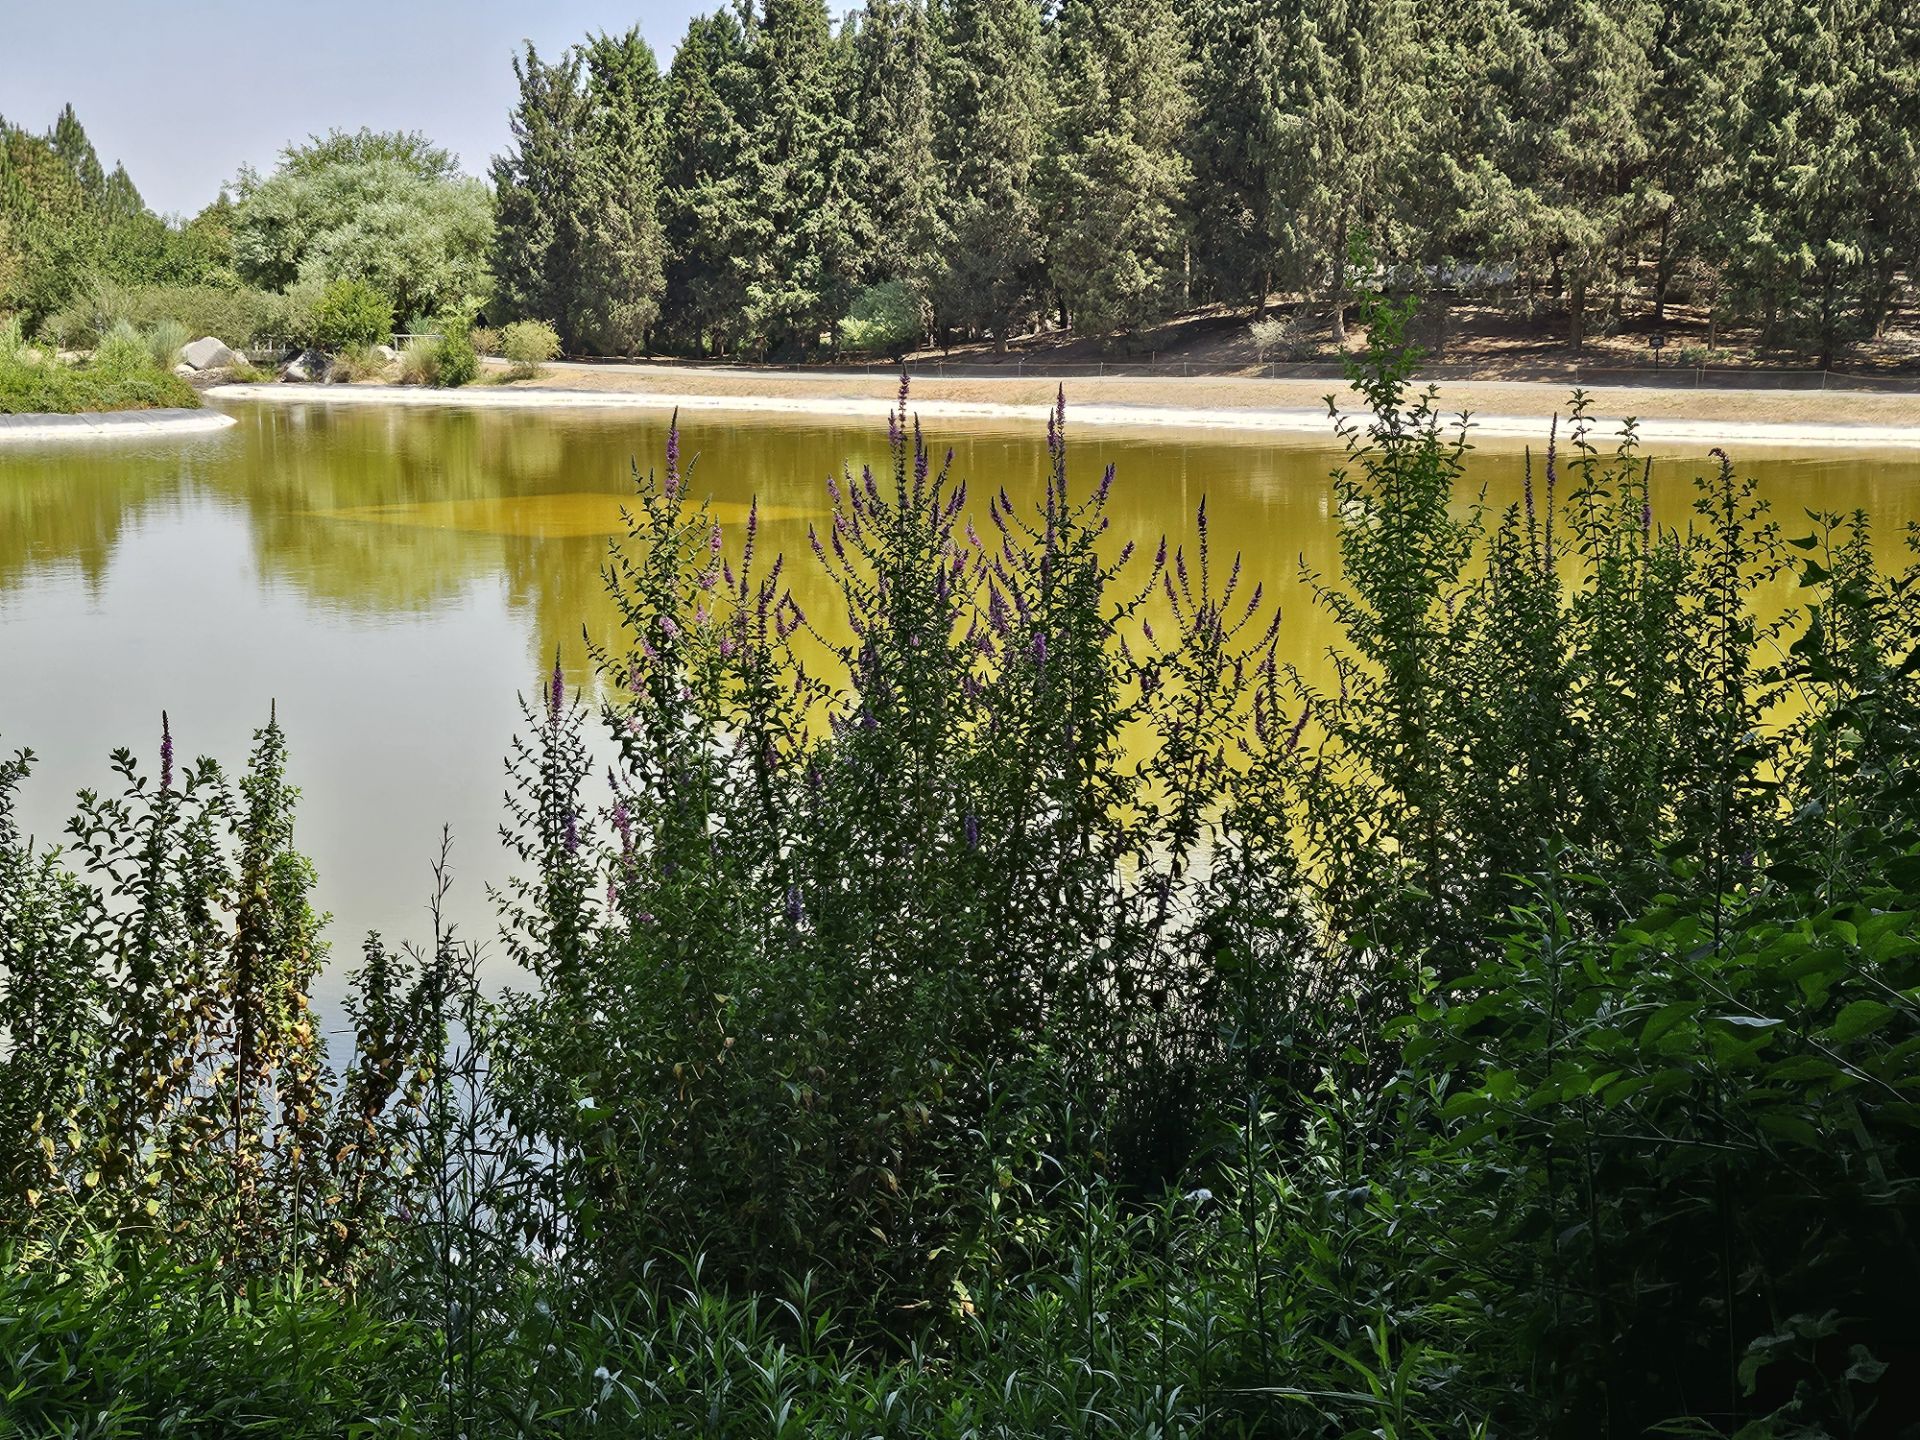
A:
x,y
184,94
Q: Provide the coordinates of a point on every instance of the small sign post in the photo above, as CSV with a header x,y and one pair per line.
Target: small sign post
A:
x,y
1656,343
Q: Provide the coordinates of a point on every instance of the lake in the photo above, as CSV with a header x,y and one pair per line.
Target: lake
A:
x,y
392,577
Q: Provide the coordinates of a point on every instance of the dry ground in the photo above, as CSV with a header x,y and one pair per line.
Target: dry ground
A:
x,y
1485,397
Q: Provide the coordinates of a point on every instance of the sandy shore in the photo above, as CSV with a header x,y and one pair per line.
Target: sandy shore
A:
x,y
1677,420
111,425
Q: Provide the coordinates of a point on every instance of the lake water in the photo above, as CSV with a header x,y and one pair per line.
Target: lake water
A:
x,y
392,577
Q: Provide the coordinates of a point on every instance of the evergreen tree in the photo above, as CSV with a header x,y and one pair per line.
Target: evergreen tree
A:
x,y
1826,185
71,145
1577,79
991,111
579,240
537,185
1241,218
799,171
1114,176
623,268
898,181
711,229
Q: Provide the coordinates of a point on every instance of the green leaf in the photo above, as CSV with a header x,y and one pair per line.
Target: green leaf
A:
x,y
1862,1017
1790,1127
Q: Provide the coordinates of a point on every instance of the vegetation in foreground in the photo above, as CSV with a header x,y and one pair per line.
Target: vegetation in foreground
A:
x,y
1020,1005
129,371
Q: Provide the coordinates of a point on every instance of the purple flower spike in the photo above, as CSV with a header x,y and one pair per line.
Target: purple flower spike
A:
x,y
796,910
973,832
166,753
673,456
1040,647
556,692
572,837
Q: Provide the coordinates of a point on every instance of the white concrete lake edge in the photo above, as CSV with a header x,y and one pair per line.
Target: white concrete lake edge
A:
x,y
1694,436
112,425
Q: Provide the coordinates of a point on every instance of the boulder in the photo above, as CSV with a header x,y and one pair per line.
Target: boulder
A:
x,y
307,365
386,354
207,353
185,371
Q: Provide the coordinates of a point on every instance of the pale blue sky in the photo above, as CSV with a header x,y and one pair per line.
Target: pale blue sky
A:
x,y
185,93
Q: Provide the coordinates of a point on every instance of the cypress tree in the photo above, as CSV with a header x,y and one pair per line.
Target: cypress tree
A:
x,y
798,171
1114,176
538,243
623,268
991,120
711,227
891,71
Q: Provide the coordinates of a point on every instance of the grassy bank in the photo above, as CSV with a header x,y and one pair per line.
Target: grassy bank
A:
x,y
1046,1014
127,371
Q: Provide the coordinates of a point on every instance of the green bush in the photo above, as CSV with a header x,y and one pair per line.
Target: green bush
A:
x,y
455,360
351,312
528,345
121,376
122,351
165,339
236,316
447,359
886,319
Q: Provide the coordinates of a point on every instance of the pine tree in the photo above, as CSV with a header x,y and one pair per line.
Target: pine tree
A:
x,y
1114,176
991,112
70,143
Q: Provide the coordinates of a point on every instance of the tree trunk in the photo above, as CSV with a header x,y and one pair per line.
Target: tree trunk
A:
x,y
1826,318
1339,285
1577,312
1663,273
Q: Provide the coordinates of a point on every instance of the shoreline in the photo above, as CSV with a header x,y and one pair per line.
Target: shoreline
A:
x,y
933,399
112,425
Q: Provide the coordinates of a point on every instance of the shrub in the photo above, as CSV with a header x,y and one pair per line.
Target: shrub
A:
x,y
446,359
528,345
1280,336
237,316
420,361
455,360
164,340
356,362
351,312
121,376
886,319
122,351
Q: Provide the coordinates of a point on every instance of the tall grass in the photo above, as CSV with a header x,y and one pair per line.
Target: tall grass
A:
x,y
1020,1004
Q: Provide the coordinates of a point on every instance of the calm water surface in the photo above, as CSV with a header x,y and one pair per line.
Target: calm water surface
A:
x,y
391,578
